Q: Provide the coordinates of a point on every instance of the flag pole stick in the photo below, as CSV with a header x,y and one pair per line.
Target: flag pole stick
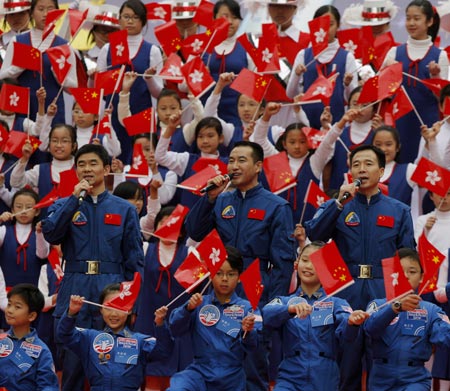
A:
x,y
188,289
424,287
61,87
116,86
308,102
343,145
304,202
414,107
98,112
206,286
395,298
10,167
315,57
105,307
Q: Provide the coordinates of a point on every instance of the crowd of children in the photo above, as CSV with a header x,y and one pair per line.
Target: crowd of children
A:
x,y
106,192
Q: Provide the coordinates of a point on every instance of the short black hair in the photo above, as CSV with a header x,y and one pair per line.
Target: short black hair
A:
x,y
325,9
114,287
232,5
381,157
410,253
138,8
209,122
257,151
235,259
99,150
31,295
128,190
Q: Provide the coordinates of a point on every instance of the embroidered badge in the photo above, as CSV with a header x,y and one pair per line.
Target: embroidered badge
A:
x,y
228,212
79,218
296,300
352,219
31,349
103,343
385,221
6,347
209,315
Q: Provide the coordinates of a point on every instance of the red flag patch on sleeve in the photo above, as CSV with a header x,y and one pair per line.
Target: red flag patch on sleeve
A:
x,y
112,219
256,214
385,221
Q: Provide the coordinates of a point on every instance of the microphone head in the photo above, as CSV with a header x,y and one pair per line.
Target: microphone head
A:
x,y
230,176
357,182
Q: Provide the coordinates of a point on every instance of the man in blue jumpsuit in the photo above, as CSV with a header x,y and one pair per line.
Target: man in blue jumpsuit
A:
x,y
100,240
366,230
255,221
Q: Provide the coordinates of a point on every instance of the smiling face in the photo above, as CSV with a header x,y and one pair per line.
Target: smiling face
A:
x,y
243,167
384,140
306,271
90,167
416,23
115,320
208,140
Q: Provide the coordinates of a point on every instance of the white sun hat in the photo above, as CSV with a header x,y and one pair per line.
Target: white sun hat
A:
x,y
370,13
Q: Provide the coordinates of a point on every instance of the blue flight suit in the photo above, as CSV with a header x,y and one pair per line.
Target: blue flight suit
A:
x,y
26,364
219,346
310,344
112,361
401,344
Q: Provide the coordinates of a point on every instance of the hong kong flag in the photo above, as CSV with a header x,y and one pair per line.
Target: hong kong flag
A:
x,y
129,291
350,40
212,252
431,259
171,228
55,263
197,77
314,136
320,91
319,28
252,283
314,195
432,176
118,46
194,45
172,69
139,166
50,21
59,58
103,126
159,11
4,134
401,104
331,268
396,284
15,98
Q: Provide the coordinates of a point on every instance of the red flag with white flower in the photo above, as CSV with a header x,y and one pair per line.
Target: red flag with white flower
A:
x,y
27,57
159,11
251,84
190,271
396,284
4,134
431,259
194,45
267,57
118,47
59,56
139,166
320,91
169,37
432,176
331,269
50,21
138,123
76,19
278,173
197,77
350,40
129,292
318,30
251,281
103,126
55,263
314,136
15,98
314,195
212,252
401,104
171,228
172,69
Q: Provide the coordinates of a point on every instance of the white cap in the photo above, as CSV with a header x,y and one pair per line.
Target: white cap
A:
x,y
443,9
103,15
14,6
184,9
370,13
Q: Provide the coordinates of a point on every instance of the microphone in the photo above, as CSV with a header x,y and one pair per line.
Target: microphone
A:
x,y
347,195
213,185
82,196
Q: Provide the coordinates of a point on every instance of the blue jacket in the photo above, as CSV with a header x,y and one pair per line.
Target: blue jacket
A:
x,y
259,225
401,344
26,364
365,233
107,231
310,345
114,361
218,356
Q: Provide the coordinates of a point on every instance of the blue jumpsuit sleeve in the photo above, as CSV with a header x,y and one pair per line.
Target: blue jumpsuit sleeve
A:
x,y
344,332
46,379
133,253
200,219
68,334
440,328
406,234
276,314
57,222
377,323
322,225
161,347
180,320
250,342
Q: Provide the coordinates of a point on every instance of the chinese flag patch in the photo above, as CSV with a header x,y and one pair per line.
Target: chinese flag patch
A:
x,y
256,214
112,219
385,221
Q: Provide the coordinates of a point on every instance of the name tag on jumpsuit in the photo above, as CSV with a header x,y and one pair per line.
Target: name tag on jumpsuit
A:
x,y
415,322
322,314
126,351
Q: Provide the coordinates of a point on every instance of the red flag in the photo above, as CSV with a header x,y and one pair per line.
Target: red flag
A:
x,y
350,40
58,56
48,199
197,76
198,181
67,181
4,134
55,263
251,84
395,282
129,292
138,123
217,164
318,30
381,45
190,271
314,195
194,45
172,69
103,126
314,136
432,176
50,21
278,173
431,259
248,47
27,57
212,252
204,14
139,165
89,99
118,46
367,45
76,19
401,104
169,37
15,98
331,268
321,90
276,92
389,80
16,141
267,57
252,283
217,32
446,107
159,11
435,85
170,229
108,81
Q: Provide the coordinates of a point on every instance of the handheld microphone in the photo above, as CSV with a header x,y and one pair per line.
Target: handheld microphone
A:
x,y
347,195
82,196
213,185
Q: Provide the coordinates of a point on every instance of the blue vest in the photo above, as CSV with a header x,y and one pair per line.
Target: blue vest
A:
x,y
398,186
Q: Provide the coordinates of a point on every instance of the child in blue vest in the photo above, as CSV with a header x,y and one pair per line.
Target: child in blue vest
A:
x,y
223,328
113,358
313,326
26,364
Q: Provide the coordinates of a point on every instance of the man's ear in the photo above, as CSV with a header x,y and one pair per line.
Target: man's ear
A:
x,y
106,170
259,166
